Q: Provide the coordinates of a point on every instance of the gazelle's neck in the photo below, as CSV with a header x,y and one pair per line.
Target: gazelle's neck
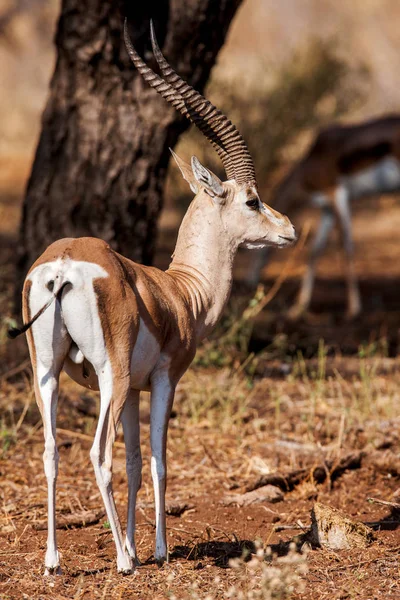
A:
x,y
202,262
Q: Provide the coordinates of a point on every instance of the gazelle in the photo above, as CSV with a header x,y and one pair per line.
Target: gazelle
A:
x,y
345,162
120,327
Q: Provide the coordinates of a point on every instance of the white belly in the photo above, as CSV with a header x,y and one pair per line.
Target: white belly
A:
x,y
145,356
381,178
320,200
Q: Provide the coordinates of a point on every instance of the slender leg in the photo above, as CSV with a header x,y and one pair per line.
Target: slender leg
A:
x,y
342,207
48,343
46,388
162,397
130,424
113,394
319,243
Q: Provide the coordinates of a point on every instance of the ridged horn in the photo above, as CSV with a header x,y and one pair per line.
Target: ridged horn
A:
x,y
216,127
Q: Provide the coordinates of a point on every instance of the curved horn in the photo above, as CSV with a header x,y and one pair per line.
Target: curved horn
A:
x,y
154,80
171,95
218,129
223,144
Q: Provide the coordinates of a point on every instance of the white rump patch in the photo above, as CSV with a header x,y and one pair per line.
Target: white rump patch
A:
x,y
80,316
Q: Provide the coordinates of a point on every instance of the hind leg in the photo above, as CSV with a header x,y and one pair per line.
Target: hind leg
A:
x,y
113,395
48,346
342,206
46,389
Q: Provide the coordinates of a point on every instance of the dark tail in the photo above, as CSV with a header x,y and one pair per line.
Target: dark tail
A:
x,y
14,332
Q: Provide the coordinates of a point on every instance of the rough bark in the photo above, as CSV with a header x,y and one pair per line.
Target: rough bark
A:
x,y
101,161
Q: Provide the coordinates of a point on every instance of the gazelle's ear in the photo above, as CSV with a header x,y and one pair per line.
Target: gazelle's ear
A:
x,y
187,172
210,182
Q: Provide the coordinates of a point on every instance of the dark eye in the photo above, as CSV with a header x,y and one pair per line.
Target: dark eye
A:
x,y
252,203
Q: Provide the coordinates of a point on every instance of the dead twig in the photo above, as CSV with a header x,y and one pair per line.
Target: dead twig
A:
x,y
362,563
22,367
84,436
294,527
146,518
210,457
394,505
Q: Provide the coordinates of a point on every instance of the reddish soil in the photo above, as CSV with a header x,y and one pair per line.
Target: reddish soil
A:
x,y
204,466
295,418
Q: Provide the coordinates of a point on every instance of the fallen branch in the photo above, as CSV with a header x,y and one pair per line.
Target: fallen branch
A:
x,y
318,473
82,519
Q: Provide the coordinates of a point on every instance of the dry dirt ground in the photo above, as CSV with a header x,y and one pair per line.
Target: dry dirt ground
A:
x,y
319,407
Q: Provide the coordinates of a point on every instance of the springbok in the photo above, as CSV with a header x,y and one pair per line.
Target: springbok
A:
x,y
345,162
121,327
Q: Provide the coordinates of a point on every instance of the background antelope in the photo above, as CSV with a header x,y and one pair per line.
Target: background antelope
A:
x,y
345,162
120,327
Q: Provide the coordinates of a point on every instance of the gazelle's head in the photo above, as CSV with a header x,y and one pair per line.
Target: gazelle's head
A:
x,y
244,217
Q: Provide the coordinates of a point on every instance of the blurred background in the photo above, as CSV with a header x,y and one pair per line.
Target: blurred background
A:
x,y
286,69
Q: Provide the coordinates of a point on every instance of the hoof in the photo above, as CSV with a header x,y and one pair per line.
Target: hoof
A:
x,y
135,561
126,566
52,571
161,561
126,572
130,550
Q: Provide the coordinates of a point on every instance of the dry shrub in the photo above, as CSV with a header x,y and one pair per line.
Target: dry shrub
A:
x,y
265,581
263,577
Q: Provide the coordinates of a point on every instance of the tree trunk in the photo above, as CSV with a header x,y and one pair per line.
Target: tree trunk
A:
x,y
102,157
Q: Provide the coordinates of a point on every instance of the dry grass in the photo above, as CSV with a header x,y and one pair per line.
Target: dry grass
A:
x,y
228,429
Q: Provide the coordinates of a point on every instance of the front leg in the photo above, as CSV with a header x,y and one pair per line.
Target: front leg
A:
x,y
162,397
318,246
